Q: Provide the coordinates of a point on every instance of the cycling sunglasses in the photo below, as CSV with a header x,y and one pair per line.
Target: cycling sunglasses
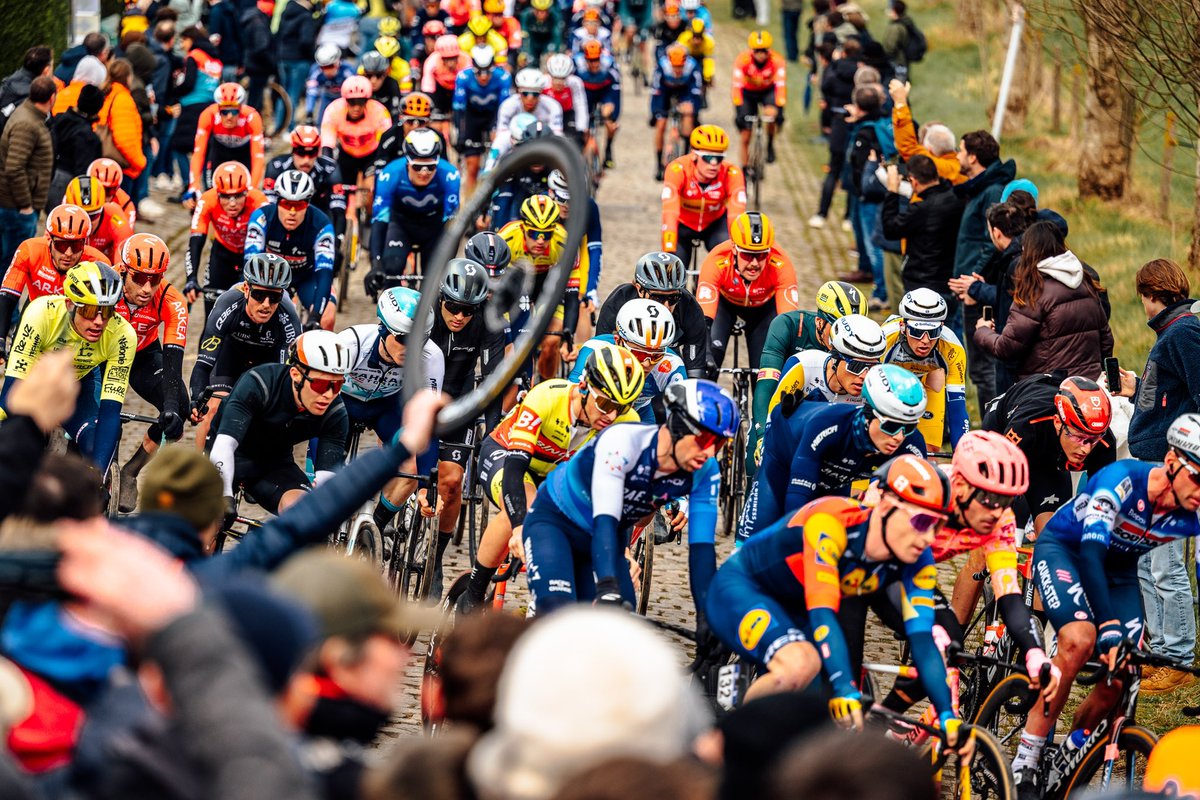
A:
x,y
855,367
230,112
925,333
454,307
323,385
647,357
91,312
1192,473
375,75
991,500
423,168
232,196
666,298
270,296
357,102
530,94
712,158
890,427
67,245
753,255
305,151
143,278
605,404
707,439
538,235
925,521
1082,438
293,205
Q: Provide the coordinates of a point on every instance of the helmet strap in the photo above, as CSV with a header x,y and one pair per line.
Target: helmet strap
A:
x,y
883,531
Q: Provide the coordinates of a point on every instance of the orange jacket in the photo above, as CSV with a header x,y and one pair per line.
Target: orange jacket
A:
x,y
685,201
121,115
67,97
908,146
719,277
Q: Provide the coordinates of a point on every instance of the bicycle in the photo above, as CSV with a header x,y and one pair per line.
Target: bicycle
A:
x,y
476,509
675,144
756,163
733,456
642,543
280,104
227,530
112,476
412,558
358,230
595,161
359,536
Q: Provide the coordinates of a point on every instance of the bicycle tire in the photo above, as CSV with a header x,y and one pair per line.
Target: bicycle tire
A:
x,y
432,669
349,253
1004,711
990,774
363,540
408,534
278,97
644,556
429,564
1133,741
112,482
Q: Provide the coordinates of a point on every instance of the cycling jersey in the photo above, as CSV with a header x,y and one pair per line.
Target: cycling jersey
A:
x,y
216,143
166,308
789,333
110,231
473,97
233,343
513,235
540,36
462,350
807,374
692,340
391,93
157,373
667,87
665,35
688,202
638,14
750,76
668,370
391,146
398,200
720,279
493,38
547,111
435,75
591,253
580,37
701,48
121,199
370,376
308,249
355,138
330,193
602,86
33,269
229,232
321,90
947,401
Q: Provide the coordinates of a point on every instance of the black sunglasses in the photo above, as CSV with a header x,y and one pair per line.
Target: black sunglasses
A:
x,y
423,167
454,307
305,151
271,296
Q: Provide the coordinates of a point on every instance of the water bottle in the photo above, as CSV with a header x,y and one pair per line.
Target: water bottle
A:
x,y
1066,751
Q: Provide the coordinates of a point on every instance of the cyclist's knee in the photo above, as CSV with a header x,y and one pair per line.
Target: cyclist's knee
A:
x,y
450,479
1076,642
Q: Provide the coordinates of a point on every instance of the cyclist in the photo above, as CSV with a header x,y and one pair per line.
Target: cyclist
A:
x,y
480,30
815,449
543,31
424,45
385,87
591,261
550,423
530,84
749,278
109,173
676,87
417,113
579,527
148,303
602,85
488,249
329,191
506,202
856,343
274,407
228,130
567,88
414,196
646,329
591,29
438,77
325,80
83,320
303,235
508,28
920,341
661,277
701,194
478,93
759,84
41,264
776,600
225,209
110,228
693,10
701,46
637,17
1085,567
252,323
352,126
669,30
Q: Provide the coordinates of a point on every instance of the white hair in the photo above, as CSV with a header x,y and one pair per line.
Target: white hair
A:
x,y
940,140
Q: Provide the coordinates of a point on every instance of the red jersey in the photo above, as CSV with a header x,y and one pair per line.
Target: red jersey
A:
x,y
687,201
229,231
166,308
110,232
749,76
123,201
32,269
719,277
248,130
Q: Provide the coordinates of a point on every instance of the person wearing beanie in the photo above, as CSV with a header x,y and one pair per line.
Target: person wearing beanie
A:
x,y
76,144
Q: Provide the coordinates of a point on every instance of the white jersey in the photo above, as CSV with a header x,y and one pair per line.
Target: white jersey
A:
x,y
809,366
548,111
371,377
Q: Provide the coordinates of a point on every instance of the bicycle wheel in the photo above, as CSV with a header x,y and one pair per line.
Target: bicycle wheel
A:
x,y
408,542
429,564
112,484
278,104
643,555
1004,711
1128,769
989,774
349,254
432,672
363,540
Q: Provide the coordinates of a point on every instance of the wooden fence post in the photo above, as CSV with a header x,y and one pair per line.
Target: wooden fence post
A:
x,y
1056,93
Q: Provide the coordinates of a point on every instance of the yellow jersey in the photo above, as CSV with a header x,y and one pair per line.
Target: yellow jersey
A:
x,y
701,48
943,373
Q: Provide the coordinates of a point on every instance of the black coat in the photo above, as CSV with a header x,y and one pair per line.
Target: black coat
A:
x,y
297,33
931,230
258,47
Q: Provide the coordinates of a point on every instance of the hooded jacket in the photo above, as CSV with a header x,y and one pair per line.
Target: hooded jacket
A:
x,y
1064,328
1170,383
974,247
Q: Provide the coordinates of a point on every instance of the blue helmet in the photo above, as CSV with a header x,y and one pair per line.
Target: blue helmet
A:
x,y
397,308
696,405
894,393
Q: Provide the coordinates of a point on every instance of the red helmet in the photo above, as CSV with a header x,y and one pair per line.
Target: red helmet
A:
x,y
1083,406
146,253
435,27
107,171
232,177
356,87
306,136
990,461
917,481
68,222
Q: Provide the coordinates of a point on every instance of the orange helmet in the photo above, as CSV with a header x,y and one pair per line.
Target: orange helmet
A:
x,y
592,49
232,177
677,54
145,252
671,9
86,192
107,171
68,222
306,136
418,104
229,95
917,481
493,7
591,15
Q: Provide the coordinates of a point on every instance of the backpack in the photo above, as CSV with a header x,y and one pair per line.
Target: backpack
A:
x,y
916,45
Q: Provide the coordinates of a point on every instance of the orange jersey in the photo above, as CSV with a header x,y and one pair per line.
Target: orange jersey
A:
x,y
166,308
359,138
248,130
123,201
686,201
719,278
229,231
32,269
110,232
748,76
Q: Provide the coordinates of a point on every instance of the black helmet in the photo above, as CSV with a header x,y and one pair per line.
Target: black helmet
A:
x,y
660,272
489,249
466,281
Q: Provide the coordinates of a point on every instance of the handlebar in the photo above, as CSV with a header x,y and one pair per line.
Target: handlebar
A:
x,y
510,568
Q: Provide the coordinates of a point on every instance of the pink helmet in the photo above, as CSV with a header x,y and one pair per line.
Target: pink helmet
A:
x,y
989,461
447,46
434,27
356,87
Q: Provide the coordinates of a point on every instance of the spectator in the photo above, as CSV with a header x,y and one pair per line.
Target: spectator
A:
x,y
120,113
128,39
226,36
929,225
870,132
874,190
791,10
142,91
936,140
630,778
259,50
473,656
26,167
76,145
846,766
873,56
837,90
90,72
895,36
15,88
94,44
201,77
423,769
1057,321
979,161
167,66
297,37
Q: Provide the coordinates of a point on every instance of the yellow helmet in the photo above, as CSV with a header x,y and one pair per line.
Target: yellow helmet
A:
x,y
540,212
387,46
389,26
87,192
836,299
752,231
479,25
542,5
760,40
493,7
698,29
91,284
711,138
614,372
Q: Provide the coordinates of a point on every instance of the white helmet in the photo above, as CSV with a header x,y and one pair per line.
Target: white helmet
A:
x,y
519,127
327,55
560,65
295,186
647,324
923,309
689,5
422,144
321,350
483,56
531,80
397,308
557,183
857,337
1184,436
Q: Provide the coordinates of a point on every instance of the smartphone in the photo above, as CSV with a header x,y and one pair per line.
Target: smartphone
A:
x,y
987,313
1112,372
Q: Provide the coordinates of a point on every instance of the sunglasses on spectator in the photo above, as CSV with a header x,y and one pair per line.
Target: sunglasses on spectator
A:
x,y
751,255
293,205
305,151
67,245
424,168
269,296
925,521
890,427
324,385
991,500
91,312
143,278
855,367
606,405
712,158
233,196
453,307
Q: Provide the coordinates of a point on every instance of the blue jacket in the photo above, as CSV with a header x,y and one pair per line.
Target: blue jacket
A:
x,y
1170,383
974,248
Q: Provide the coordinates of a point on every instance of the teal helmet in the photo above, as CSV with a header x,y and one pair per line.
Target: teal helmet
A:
x,y
894,393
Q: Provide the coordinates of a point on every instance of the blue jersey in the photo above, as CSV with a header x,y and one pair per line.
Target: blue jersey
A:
x,y
688,82
602,84
472,97
397,199
308,250
321,89
658,378
595,250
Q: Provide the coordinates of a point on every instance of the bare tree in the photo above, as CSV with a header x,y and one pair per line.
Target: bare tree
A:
x,y
1106,150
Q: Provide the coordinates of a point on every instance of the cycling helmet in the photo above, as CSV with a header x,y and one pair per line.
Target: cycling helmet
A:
x,y
709,138
838,298
1083,406
68,222
465,281
660,272
697,27
894,394
689,5
752,231
989,461
695,405
327,55
389,46
418,105
530,80
423,144
537,130
540,212
433,28
489,249
646,324
591,14
320,351
560,65
557,184
677,54
671,8
107,171
923,309
306,136
1184,436
232,177
295,186
592,50
542,5
268,270
479,25
614,371
229,95
374,61
86,192
483,56
397,308
759,40
493,7
356,87
90,283
917,481
145,253
447,46
389,26
857,337
518,128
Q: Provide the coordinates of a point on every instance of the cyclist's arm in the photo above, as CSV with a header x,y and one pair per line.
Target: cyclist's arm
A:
x,y
200,224
787,294
331,444
805,472
595,249
556,115
237,414
27,347
708,295
459,103
256,233
738,84
323,247
258,156
331,118
522,437
615,457
916,603
1098,522
490,356
113,386
824,543
15,281
736,187
200,148
671,206
959,421
693,342
212,339
780,337
174,317
702,529
579,103
780,82
1000,555
312,90
451,186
